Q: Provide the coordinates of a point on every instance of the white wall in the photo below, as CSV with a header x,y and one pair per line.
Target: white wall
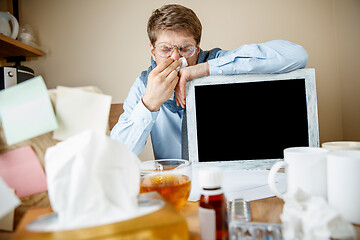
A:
x,y
347,25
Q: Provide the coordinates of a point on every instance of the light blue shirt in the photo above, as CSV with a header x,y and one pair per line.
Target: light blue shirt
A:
x,y
137,122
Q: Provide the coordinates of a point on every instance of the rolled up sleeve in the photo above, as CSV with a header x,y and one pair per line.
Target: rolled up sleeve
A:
x,y
278,56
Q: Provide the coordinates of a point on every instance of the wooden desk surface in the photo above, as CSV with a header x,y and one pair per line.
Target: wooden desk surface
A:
x,y
264,210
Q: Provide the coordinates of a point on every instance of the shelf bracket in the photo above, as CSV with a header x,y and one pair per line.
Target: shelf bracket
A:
x,y
15,60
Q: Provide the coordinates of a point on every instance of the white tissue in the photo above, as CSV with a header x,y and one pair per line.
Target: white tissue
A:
x,y
92,180
308,217
184,63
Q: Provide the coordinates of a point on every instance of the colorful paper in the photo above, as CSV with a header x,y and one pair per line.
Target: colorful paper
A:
x,y
7,221
26,111
22,171
8,200
79,110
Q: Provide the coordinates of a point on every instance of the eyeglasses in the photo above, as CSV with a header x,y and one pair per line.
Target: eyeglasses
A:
x,y
164,49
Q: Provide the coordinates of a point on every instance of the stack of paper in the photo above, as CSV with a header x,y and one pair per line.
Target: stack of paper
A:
x,y
26,111
78,110
8,202
247,184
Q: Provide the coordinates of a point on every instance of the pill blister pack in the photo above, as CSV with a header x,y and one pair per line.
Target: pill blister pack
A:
x,y
252,231
240,227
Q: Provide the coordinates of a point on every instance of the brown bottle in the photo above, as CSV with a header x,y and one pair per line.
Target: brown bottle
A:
x,y
213,209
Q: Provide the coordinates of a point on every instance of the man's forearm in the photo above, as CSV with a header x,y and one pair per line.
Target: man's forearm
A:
x,y
199,70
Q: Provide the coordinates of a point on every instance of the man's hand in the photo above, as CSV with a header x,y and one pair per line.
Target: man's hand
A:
x,y
162,81
186,74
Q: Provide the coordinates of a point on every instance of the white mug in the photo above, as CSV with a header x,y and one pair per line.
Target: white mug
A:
x,y
305,168
341,145
343,183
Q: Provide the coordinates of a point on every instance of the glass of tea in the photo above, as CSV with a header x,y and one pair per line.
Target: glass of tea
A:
x,y
171,178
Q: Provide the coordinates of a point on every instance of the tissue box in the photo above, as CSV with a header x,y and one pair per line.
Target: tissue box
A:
x,y
165,223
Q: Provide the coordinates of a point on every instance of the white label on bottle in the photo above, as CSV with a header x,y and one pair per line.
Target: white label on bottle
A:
x,y
207,223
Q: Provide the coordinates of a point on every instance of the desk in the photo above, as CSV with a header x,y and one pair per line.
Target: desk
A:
x,y
264,210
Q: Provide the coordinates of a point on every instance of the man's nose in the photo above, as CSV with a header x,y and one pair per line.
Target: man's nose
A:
x,y
175,55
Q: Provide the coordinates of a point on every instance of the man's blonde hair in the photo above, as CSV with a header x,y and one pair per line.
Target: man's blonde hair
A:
x,y
174,17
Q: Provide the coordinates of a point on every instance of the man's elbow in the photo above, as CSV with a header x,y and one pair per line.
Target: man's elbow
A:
x,y
297,56
303,57
297,60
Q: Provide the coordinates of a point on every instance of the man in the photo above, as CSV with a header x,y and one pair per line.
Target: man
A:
x,y
174,32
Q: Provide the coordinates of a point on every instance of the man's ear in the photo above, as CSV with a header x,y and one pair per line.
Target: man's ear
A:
x,y
198,48
152,52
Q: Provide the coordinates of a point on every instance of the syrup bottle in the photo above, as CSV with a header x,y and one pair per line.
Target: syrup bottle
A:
x,y
213,209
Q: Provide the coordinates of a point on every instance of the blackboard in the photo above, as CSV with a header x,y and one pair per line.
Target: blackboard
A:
x,y
251,117
256,120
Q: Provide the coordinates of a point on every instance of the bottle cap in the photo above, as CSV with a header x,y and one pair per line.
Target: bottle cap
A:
x,y
210,177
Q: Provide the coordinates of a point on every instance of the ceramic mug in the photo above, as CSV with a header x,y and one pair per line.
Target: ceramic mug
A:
x,y
305,168
343,169
341,145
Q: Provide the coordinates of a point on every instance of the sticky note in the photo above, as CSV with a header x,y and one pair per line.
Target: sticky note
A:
x,y
79,110
22,171
7,221
26,111
8,200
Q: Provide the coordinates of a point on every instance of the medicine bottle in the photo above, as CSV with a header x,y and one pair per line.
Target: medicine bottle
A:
x,y
213,208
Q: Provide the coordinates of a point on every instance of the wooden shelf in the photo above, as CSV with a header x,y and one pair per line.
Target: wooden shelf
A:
x,y
13,48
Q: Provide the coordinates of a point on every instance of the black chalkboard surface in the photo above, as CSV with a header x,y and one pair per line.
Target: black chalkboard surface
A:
x,y
244,121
